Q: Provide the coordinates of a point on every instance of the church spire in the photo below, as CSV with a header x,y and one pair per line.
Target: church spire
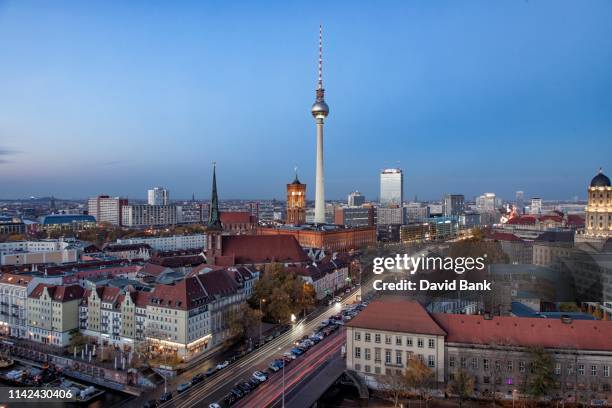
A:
x,y
214,220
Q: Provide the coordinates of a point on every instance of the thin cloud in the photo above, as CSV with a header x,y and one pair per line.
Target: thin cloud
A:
x,y
4,153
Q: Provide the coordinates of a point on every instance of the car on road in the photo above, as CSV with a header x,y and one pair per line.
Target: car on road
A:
x,y
296,351
222,365
254,382
276,365
245,387
230,399
210,371
166,396
237,392
324,323
260,376
287,359
348,290
183,387
337,299
214,405
198,378
150,404
289,354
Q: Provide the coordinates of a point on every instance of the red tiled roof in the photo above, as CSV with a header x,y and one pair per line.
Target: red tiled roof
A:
x,y
522,220
503,236
235,217
184,295
397,315
556,218
248,249
575,219
218,282
141,298
58,293
13,279
152,269
526,332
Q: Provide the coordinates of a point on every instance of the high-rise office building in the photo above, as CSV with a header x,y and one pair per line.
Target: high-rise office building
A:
x,y
520,201
391,187
158,196
356,199
107,209
319,111
454,204
487,202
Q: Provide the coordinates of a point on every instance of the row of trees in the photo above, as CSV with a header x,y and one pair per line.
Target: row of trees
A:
x,y
417,379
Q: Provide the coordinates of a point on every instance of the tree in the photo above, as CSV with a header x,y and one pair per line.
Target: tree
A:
x,y
394,385
462,385
539,379
283,292
242,321
569,307
419,376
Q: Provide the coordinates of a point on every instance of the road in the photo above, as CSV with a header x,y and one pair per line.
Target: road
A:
x,y
219,385
270,393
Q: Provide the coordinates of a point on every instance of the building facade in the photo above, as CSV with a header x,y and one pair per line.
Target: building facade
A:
x,y
296,202
158,196
144,215
391,187
599,208
106,209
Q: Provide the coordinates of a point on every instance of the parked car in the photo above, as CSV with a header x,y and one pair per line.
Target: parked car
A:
x,y
222,365
260,376
337,299
214,405
150,404
276,365
237,392
296,351
183,387
198,378
324,323
348,290
254,382
287,359
289,354
166,396
210,371
230,399
245,387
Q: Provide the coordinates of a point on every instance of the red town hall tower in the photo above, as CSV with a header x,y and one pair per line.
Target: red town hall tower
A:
x,y
296,202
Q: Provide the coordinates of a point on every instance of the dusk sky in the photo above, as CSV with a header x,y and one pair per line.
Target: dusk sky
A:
x,y
465,97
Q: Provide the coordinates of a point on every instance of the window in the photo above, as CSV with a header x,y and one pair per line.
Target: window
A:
x,y
420,343
463,362
357,352
569,369
398,340
377,338
581,369
485,379
358,367
367,337
557,368
497,365
606,371
432,343
593,370
377,370
398,357
451,361
387,356
367,369
485,363
387,339
367,353
409,341
377,355
521,366
474,362
357,336
431,361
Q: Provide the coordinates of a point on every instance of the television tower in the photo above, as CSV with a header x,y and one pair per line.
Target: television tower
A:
x,y
319,111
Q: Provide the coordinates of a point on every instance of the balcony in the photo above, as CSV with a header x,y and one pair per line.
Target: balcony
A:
x,y
394,365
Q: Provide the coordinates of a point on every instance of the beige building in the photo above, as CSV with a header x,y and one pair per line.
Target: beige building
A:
x,y
53,311
495,351
598,223
38,252
384,336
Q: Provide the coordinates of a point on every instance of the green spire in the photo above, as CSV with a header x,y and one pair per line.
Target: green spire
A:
x,y
214,221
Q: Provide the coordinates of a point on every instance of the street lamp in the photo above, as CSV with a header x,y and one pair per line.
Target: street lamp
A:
x,y
260,318
283,398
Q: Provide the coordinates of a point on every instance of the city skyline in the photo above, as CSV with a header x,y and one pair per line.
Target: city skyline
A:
x,y
122,107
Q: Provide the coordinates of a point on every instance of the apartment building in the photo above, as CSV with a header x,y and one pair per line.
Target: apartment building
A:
x,y
53,312
13,302
171,243
326,276
497,352
144,215
107,209
38,252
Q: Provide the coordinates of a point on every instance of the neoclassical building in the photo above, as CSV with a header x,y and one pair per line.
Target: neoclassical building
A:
x,y
598,223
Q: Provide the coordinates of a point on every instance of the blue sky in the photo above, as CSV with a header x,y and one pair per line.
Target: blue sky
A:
x,y
467,97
